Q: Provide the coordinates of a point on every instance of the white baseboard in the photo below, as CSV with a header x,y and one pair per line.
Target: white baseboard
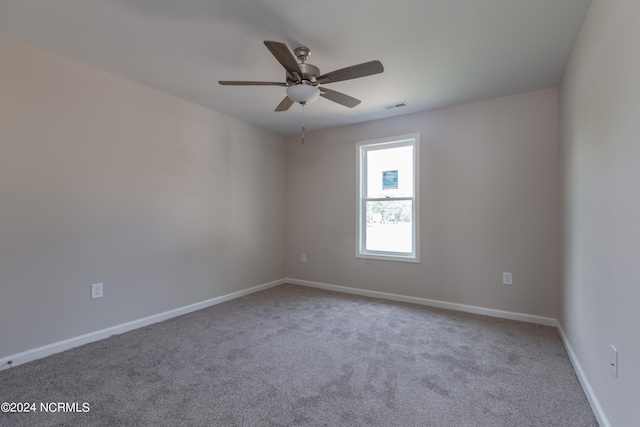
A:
x,y
586,386
530,318
49,349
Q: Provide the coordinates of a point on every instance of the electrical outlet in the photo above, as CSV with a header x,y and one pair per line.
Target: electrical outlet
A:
x,y
613,361
96,290
507,279
303,257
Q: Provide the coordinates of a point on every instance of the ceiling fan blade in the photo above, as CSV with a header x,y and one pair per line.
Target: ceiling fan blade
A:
x,y
242,83
284,57
339,97
284,104
353,72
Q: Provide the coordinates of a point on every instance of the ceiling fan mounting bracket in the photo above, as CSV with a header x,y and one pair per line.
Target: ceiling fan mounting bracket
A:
x,y
302,53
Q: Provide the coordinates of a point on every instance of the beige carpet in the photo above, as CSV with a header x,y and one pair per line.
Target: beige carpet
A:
x,y
296,356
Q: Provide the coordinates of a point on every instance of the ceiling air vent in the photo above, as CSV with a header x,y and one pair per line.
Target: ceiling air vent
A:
x,y
395,105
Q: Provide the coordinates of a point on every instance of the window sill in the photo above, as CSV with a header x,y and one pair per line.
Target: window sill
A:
x,y
386,257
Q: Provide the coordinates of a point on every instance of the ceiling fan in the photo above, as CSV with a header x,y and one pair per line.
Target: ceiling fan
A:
x,y
303,80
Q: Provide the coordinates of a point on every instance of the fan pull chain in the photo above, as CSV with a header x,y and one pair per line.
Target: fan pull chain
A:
x,y
303,123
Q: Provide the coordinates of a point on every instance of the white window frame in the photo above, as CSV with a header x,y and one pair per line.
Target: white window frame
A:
x,y
362,147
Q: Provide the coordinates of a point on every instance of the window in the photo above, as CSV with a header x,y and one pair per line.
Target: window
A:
x,y
388,177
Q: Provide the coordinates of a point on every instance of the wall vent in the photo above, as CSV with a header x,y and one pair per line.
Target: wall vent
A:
x,y
395,105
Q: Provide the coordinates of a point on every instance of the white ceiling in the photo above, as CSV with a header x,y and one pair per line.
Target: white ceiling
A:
x,y
435,52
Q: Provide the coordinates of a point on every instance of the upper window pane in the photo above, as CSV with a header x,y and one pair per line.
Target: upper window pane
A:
x,y
390,172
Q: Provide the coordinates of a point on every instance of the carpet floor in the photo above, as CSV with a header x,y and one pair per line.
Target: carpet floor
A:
x,y
297,356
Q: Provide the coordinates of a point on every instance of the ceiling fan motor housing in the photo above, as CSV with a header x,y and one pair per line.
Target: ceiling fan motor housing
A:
x,y
309,73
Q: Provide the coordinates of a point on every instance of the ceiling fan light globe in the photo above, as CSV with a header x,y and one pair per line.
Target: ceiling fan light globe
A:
x,y
303,93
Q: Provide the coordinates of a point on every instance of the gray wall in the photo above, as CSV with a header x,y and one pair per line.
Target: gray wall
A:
x,y
489,204
105,180
600,138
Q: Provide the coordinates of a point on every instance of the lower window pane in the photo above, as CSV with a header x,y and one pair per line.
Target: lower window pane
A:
x,y
389,226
